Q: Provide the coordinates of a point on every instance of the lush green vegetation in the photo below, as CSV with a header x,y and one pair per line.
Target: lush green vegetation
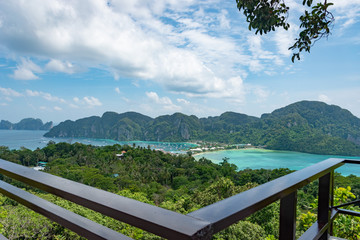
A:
x,y
306,126
175,182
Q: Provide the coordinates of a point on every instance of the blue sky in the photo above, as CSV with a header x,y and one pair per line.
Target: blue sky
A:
x,y
67,60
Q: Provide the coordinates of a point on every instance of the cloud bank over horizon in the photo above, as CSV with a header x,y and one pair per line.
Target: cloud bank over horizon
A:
x,y
197,51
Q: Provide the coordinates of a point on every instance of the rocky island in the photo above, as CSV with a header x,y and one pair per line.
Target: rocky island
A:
x,y
26,124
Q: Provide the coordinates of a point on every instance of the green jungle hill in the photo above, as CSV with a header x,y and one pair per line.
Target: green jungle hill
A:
x,y
306,126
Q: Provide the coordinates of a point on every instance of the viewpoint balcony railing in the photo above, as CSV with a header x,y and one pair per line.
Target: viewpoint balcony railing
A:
x,y
200,224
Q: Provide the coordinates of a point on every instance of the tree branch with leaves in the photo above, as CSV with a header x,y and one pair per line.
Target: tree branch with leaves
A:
x,y
265,16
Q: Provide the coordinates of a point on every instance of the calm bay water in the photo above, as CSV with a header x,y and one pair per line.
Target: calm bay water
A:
x,y
270,159
245,158
15,139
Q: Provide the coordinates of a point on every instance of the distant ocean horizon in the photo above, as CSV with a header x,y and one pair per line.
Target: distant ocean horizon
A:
x,y
245,158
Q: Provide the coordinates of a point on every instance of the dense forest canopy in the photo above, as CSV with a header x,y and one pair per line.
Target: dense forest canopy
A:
x,y
175,182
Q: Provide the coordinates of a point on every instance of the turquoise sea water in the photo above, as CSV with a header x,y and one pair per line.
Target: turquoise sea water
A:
x,y
246,158
270,159
15,139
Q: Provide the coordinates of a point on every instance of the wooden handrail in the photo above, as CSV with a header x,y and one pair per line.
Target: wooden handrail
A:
x,y
200,224
154,219
68,219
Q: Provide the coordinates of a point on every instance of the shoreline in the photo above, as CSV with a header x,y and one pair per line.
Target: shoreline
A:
x,y
256,158
234,149
270,150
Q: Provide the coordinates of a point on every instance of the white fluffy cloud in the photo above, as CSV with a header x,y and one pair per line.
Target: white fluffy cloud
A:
x,y
25,70
181,100
285,39
347,12
92,101
261,58
9,92
224,21
44,95
88,101
32,93
164,102
155,97
52,98
24,74
188,47
260,93
127,38
324,98
59,66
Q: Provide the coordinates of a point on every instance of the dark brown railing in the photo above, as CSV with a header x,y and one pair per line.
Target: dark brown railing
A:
x,y
200,224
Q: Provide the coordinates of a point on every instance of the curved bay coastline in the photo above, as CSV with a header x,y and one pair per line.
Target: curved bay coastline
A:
x,y
257,158
253,158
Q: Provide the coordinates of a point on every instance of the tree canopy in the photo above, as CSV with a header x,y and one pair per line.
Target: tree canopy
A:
x,y
175,182
265,16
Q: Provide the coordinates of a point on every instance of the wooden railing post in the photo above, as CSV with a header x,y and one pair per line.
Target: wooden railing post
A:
x,y
288,216
200,224
332,186
325,184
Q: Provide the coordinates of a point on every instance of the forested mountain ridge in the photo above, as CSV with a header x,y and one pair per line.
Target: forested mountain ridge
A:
x,y
329,119
306,126
26,124
111,125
